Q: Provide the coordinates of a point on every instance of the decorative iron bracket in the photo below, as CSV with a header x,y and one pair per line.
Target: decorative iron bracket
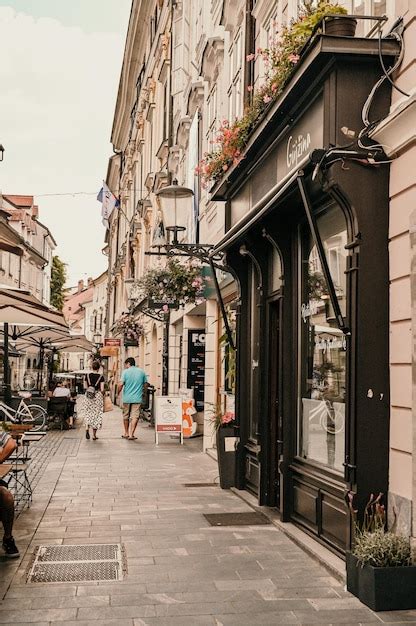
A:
x,y
157,314
202,252
321,253
205,254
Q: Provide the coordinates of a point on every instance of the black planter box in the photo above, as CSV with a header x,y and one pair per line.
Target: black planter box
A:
x,y
353,568
226,460
382,588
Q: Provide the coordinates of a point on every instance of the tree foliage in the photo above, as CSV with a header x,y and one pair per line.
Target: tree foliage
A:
x,y
58,278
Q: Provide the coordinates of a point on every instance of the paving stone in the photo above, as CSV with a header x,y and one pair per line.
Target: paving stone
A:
x,y
180,570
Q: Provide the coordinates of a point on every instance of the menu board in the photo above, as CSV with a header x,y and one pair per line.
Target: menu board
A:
x,y
196,365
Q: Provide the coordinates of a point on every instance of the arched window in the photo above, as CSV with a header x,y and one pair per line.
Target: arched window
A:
x,y
29,364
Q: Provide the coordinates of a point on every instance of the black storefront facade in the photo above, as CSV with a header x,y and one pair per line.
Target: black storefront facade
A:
x,y
312,394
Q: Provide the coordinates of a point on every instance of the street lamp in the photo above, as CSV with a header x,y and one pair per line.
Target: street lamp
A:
x,y
1,152
176,204
97,339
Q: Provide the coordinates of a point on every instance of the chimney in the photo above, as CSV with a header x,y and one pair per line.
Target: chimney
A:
x,y
80,286
35,211
90,282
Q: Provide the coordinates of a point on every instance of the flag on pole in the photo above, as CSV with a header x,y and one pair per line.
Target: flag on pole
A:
x,y
108,203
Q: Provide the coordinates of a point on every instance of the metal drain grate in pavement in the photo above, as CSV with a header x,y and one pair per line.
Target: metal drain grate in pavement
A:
x,y
101,562
254,518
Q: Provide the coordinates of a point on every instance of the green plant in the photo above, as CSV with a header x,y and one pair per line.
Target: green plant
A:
x,y
175,282
382,549
58,279
372,543
280,61
218,417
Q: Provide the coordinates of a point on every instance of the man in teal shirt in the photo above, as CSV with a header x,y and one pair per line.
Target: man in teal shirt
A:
x,y
133,383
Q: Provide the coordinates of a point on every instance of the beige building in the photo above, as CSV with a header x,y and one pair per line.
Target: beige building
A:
x,y
397,135
25,263
187,67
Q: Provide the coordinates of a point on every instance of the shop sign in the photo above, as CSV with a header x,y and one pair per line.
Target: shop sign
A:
x,y
109,351
168,415
130,343
160,304
306,135
110,341
196,365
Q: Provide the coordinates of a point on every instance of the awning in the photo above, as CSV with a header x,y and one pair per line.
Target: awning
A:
x,y
19,308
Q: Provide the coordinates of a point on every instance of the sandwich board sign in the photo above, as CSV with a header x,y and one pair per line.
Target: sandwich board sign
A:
x,y
168,416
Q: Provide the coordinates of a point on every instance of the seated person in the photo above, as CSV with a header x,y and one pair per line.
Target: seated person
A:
x,y
7,447
61,391
71,408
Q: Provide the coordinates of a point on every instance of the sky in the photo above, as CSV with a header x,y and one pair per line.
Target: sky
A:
x,y
60,65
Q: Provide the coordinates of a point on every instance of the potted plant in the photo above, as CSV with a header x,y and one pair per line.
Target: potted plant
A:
x,y
223,425
379,567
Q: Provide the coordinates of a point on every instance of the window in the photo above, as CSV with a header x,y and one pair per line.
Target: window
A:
x,y
323,349
275,271
212,116
235,90
370,7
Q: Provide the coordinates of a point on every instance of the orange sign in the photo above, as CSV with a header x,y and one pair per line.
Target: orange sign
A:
x,y
188,425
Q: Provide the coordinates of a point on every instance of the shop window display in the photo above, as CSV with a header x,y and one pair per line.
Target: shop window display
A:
x,y
323,347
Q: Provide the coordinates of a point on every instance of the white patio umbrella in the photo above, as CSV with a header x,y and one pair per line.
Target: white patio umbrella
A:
x,y
21,315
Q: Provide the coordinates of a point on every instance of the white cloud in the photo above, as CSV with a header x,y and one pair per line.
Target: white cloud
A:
x,y
58,90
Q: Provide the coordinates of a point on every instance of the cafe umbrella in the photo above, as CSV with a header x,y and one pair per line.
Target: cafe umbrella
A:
x,y
21,315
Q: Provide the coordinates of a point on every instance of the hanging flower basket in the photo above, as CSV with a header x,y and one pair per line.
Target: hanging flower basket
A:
x,y
173,285
130,329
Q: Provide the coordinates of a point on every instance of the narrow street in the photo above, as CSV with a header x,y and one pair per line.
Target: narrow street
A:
x,y
180,570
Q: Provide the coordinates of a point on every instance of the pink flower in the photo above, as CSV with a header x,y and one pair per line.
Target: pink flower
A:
x,y
165,308
250,88
267,99
274,87
293,58
250,57
224,168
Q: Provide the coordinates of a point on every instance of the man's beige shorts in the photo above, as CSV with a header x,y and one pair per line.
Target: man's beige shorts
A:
x,y
131,411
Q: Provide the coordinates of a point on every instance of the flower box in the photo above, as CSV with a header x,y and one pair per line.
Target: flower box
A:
x,y
382,588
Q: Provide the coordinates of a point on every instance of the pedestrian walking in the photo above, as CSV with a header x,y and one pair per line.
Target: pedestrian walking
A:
x,y
133,383
91,403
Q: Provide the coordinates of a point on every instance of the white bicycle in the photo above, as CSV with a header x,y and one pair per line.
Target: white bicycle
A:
x,y
331,416
33,416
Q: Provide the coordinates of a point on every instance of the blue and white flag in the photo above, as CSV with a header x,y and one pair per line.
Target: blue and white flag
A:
x,y
108,203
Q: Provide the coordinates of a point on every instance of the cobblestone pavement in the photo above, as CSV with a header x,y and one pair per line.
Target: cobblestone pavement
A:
x,y
180,570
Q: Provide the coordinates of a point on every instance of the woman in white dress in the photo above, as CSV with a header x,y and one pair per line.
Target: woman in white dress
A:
x,y
91,409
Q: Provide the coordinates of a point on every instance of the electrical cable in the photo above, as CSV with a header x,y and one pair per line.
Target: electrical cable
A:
x,y
399,38
368,126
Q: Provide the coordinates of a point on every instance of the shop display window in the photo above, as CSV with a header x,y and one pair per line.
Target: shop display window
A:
x,y
323,347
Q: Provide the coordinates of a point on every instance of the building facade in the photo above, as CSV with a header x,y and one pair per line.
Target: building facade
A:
x,y
25,263
322,381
